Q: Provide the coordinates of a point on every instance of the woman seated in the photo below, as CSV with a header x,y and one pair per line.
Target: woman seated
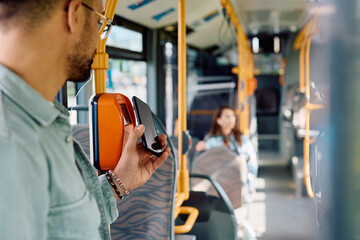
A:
x,y
225,132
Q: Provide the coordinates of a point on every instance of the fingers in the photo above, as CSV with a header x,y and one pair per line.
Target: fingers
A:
x,y
157,161
162,140
134,135
200,146
128,129
162,137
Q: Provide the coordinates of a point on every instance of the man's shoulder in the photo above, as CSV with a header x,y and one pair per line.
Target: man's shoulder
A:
x,y
14,121
13,115
19,134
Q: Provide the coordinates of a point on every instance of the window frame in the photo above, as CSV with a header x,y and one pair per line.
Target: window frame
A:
x,y
121,53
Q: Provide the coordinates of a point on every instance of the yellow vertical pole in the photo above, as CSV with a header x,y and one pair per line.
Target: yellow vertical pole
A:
x,y
307,69
307,180
239,75
251,66
246,118
101,58
243,70
301,68
241,84
183,183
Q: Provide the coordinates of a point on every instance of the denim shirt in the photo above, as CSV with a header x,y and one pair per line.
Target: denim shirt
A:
x,y
48,188
245,148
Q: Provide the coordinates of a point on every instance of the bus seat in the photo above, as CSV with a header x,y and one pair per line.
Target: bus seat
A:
x,y
148,212
224,166
191,154
216,220
81,134
185,237
199,124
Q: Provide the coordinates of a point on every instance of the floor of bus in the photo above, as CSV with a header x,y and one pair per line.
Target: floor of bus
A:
x,y
276,213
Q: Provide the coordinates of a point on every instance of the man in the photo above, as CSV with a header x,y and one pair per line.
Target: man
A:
x,y
48,189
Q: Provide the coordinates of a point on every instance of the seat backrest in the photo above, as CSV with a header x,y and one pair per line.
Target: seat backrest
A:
x,y
224,166
200,123
191,154
81,134
148,212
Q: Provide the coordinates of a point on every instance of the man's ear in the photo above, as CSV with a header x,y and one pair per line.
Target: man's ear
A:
x,y
73,13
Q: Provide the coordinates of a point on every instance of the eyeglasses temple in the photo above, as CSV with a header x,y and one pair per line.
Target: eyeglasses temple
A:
x,y
96,12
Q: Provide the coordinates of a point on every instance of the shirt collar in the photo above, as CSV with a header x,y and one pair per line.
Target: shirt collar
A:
x,y
27,98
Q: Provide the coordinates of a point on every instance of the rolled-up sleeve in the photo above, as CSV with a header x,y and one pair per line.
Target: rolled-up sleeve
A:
x,y
112,212
23,206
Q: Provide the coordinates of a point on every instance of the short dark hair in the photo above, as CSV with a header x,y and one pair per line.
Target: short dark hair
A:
x,y
27,12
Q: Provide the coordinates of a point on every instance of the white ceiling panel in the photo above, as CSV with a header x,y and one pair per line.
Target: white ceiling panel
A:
x,y
280,5
208,35
270,16
204,32
144,14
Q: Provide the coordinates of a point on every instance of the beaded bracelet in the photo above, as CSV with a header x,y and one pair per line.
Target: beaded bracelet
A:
x,y
119,182
113,185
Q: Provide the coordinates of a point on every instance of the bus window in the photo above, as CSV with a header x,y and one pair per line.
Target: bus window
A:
x,y
127,77
71,92
124,38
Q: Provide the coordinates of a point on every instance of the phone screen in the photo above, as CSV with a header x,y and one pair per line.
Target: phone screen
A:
x,y
144,116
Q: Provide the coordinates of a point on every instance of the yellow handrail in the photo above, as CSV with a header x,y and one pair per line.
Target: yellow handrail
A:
x,y
101,58
183,190
305,33
304,85
244,70
306,170
179,199
193,214
301,69
241,85
183,173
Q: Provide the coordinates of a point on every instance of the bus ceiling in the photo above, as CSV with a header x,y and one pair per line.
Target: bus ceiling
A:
x,y
203,16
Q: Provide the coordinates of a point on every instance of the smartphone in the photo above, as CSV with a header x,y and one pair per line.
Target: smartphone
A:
x,y
144,116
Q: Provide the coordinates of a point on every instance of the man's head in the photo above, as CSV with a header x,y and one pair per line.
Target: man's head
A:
x,y
80,59
29,13
74,30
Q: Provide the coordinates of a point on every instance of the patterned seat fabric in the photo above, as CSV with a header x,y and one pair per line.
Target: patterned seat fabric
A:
x,y
81,134
147,212
225,167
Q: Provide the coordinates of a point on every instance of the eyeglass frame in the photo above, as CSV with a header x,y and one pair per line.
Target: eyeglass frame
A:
x,y
109,22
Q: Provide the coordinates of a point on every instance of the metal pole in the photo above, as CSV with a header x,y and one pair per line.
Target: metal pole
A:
x,y
101,58
183,183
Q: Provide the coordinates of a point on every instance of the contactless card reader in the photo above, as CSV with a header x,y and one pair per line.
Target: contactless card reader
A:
x,y
110,114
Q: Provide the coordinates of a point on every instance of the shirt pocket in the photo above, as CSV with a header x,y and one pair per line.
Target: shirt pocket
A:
x,y
79,219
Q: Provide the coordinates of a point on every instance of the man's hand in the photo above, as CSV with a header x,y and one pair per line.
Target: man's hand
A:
x,y
136,165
